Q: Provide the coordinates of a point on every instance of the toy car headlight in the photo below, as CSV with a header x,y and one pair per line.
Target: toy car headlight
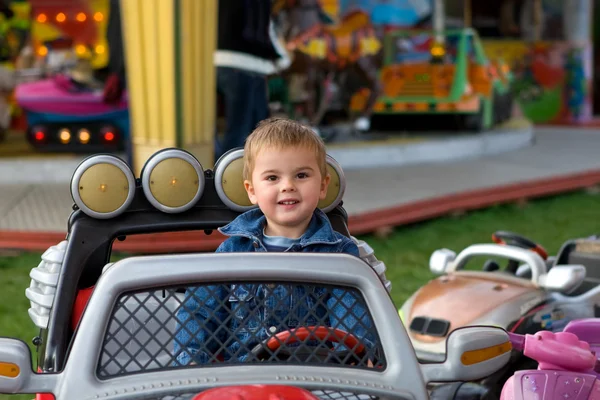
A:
x,y
173,180
337,186
229,181
103,186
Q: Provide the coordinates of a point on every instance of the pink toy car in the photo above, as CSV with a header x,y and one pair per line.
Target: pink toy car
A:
x,y
568,367
64,115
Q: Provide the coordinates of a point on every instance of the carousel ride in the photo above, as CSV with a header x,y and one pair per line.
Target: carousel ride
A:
x,y
350,70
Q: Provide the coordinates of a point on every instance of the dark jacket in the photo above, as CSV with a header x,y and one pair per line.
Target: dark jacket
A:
x,y
246,38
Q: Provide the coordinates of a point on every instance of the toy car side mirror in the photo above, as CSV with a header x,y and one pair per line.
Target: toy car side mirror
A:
x,y
16,372
472,353
563,278
439,260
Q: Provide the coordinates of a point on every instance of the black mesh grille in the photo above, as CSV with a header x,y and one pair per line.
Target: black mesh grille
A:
x,y
239,323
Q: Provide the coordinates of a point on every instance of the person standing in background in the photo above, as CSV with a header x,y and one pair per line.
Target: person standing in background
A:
x,y
115,82
248,51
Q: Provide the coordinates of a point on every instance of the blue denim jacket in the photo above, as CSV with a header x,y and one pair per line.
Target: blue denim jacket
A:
x,y
246,233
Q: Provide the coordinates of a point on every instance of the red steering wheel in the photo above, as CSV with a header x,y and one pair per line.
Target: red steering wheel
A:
x,y
303,334
510,238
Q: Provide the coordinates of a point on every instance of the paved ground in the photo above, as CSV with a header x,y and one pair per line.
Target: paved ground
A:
x,y
45,205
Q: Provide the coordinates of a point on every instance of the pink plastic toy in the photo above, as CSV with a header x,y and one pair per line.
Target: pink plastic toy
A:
x,y
568,369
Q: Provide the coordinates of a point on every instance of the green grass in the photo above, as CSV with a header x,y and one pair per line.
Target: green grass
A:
x,y
406,251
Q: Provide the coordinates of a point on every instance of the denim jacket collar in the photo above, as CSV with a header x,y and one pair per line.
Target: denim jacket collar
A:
x,y
251,223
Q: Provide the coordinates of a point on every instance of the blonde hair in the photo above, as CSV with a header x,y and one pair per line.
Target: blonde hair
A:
x,y
281,133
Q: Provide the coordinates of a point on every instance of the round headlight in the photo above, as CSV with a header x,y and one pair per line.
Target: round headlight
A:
x,y
103,186
229,181
337,186
173,180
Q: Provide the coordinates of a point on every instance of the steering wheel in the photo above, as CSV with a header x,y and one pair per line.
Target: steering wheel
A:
x,y
263,351
510,238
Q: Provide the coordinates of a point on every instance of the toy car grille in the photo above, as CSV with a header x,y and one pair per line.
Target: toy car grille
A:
x,y
246,322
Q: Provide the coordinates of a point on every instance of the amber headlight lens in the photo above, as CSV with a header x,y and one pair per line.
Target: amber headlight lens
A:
x,y
229,181
173,180
337,186
103,186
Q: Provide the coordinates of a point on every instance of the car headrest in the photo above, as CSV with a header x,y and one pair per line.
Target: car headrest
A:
x,y
229,182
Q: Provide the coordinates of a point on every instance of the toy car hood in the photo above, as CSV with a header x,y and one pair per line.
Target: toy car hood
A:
x,y
460,299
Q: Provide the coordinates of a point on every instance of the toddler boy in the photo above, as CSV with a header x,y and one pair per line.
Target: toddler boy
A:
x,y
285,174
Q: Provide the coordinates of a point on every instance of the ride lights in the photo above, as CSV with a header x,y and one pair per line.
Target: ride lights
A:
x,y
108,134
337,186
229,181
173,180
64,135
84,136
103,186
39,134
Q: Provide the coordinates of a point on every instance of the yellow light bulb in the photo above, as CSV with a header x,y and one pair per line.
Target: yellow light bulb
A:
x,y
80,49
103,187
84,136
61,17
173,181
64,136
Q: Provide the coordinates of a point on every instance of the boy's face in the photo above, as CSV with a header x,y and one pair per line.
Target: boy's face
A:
x,y
287,186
